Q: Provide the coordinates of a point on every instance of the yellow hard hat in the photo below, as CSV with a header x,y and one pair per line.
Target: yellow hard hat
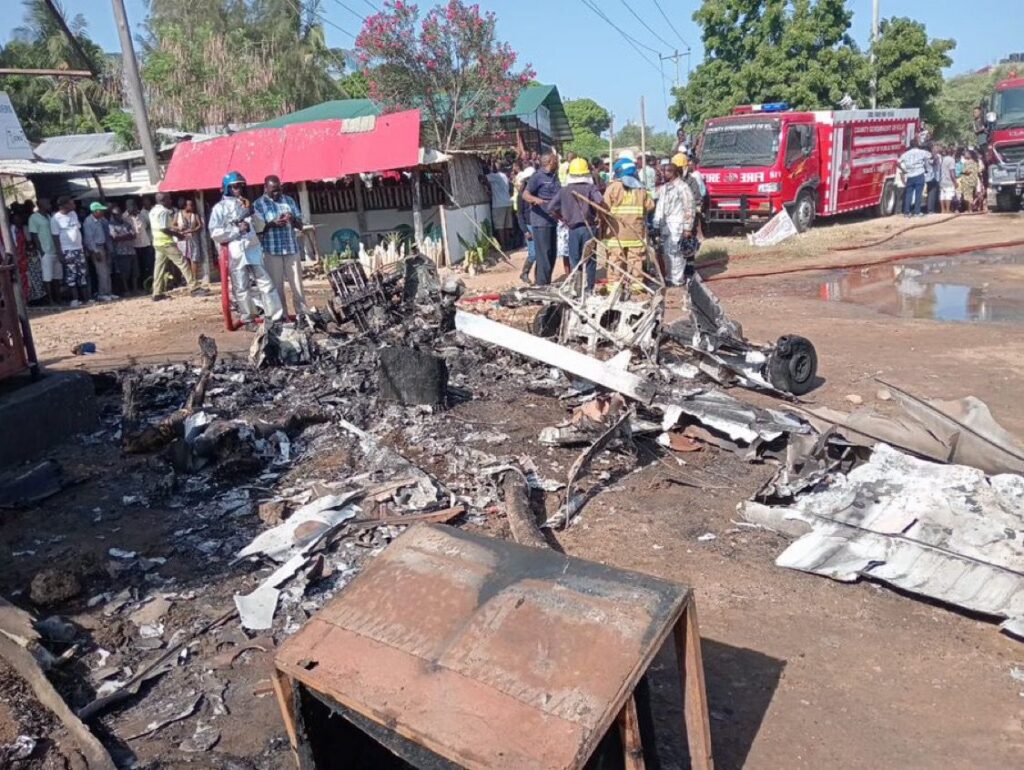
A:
x,y
680,160
579,167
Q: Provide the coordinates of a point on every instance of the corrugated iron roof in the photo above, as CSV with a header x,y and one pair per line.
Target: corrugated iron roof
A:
x,y
948,532
73,148
35,167
529,101
327,149
337,109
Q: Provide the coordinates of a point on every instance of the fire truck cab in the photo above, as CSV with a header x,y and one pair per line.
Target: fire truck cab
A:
x,y
1005,123
766,157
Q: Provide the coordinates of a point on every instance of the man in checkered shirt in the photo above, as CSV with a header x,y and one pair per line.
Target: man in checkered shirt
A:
x,y
281,251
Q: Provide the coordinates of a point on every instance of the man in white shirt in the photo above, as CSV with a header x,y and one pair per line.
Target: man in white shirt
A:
x,y
501,205
39,231
65,225
912,163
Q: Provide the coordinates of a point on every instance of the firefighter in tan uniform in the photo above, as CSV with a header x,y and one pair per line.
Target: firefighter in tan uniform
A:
x,y
626,221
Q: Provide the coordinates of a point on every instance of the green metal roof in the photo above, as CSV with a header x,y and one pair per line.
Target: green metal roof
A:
x,y
338,109
530,100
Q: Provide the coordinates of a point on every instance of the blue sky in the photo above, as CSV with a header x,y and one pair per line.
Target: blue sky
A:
x,y
571,46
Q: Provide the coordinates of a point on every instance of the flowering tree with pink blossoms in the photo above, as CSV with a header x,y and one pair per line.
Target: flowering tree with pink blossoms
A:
x,y
450,66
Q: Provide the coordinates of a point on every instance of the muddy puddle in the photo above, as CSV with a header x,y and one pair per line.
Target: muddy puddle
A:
x,y
985,287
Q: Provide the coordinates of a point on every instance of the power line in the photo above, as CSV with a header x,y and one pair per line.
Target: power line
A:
x,y
350,10
324,19
341,64
633,42
373,8
670,24
646,26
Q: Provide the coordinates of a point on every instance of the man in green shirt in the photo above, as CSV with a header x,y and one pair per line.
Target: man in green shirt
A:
x,y
39,231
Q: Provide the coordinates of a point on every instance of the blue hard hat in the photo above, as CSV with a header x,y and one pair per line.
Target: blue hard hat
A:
x,y
624,167
230,178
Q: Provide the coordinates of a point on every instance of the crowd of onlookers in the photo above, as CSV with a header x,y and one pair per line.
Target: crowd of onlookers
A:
x,y
71,252
933,178
517,215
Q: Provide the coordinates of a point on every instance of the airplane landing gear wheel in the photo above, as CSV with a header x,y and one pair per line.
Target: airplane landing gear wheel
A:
x,y
793,365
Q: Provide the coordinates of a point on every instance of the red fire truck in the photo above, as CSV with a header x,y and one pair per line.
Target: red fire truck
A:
x,y
765,157
1005,121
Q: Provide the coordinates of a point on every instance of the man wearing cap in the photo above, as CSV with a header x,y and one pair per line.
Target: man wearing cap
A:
x,y
674,216
99,247
625,225
576,206
234,225
65,225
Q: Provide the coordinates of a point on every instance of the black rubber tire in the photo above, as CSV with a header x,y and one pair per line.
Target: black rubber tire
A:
x,y
803,211
887,203
793,365
548,320
1007,203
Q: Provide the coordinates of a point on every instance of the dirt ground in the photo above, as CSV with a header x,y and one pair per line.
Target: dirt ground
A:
x,y
802,672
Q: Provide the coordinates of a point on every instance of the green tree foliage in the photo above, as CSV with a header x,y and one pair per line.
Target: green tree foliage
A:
x,y
220,62
587,144
449,64
801,52
588,115
661,143
51,106
909,65
798,51
952,108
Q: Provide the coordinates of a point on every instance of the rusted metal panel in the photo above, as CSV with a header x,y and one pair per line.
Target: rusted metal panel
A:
x,y
490,654
12,347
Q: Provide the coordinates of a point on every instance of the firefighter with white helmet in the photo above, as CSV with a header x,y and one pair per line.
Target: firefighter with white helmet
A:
x,y
235,225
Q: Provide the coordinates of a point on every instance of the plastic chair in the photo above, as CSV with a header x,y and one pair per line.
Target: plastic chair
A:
x,y
345,239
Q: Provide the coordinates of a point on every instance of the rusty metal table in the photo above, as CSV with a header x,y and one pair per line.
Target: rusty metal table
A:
x,y
480,653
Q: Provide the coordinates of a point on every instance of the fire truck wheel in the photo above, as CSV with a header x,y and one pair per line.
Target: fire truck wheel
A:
x,y
803,211
548,320
1007,201
793,365
887,204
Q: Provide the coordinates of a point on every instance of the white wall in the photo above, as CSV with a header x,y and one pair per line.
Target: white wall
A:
x,y
460,221
377,222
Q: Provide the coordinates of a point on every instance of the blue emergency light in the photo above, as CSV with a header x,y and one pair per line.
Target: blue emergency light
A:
x,y
773,107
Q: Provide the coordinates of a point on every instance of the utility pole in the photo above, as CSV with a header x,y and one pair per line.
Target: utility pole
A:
x,y
874,43
643,132
676,56
135,95
611,138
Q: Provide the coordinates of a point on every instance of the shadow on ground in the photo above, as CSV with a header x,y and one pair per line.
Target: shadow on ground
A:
x,y
740,684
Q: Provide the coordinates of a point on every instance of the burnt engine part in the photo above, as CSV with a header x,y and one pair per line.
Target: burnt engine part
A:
x,y
364,300
412,377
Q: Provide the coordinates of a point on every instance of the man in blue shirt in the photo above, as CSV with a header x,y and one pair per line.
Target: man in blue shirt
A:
x,y
542,188
280,245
